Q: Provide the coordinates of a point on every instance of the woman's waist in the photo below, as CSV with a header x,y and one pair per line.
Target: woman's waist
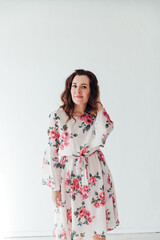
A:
x,y
77,154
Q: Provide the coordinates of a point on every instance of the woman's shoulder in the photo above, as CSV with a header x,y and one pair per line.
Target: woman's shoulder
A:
x,y
57,113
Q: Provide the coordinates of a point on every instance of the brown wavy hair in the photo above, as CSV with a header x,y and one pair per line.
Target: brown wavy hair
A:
x,y
66,98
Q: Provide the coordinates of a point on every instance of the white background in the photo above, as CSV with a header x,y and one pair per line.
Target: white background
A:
x,y
41,44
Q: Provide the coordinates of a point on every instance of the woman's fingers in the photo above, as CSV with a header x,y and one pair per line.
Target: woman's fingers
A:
x,y
60,196
58,200
58,203
56,197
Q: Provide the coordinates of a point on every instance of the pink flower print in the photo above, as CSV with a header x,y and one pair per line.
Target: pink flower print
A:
x,y
113,198
80,189
67,182
54,133
108,180
63,235
106,115
90,219
109,229
97,204
103,202
55,121
80,160
85,195
66,144
69,215
75,183
85,189
49,183
64,160
54,232
72,190
107,215
80,238
88,213
56,151
101,195
83,117
68,174
88,119
83,151
92,180
82,212
101,156
65,135
62,146
97,236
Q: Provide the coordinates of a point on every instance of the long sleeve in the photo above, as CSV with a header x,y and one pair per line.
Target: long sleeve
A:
x,y
103,127
51,171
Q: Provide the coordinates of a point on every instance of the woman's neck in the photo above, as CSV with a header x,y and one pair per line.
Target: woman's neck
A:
x,y
79,109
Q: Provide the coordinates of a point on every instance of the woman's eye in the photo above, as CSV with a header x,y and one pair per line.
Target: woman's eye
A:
x,y
82,86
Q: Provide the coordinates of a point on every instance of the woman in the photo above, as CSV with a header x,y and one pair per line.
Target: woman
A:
x,y
75,168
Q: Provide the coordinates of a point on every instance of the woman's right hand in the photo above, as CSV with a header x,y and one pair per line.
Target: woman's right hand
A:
x,y
56,197
98,97
99,106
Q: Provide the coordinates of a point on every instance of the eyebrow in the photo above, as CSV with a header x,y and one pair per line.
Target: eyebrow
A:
x,y
81,83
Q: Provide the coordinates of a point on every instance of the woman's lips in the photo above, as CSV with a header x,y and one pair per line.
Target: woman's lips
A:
x,y
79,96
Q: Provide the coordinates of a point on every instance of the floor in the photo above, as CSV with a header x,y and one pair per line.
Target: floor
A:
x,y
120,236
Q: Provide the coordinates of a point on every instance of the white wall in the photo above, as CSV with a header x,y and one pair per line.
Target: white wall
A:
x,y
41,44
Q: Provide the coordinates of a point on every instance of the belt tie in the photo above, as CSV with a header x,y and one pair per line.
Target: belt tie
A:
x,y
84,160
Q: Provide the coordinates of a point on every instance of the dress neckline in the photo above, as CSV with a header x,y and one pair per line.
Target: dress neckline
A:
x,y
86,112
79,116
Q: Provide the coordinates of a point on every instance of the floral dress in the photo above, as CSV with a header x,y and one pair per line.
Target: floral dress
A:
x,y
74,164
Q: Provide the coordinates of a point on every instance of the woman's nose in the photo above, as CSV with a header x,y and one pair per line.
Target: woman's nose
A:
x,y
78,90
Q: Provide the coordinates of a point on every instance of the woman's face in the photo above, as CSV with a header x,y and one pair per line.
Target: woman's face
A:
x,y
80,89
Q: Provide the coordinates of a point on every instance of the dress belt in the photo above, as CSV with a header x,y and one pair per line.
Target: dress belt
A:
x,y
82,159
